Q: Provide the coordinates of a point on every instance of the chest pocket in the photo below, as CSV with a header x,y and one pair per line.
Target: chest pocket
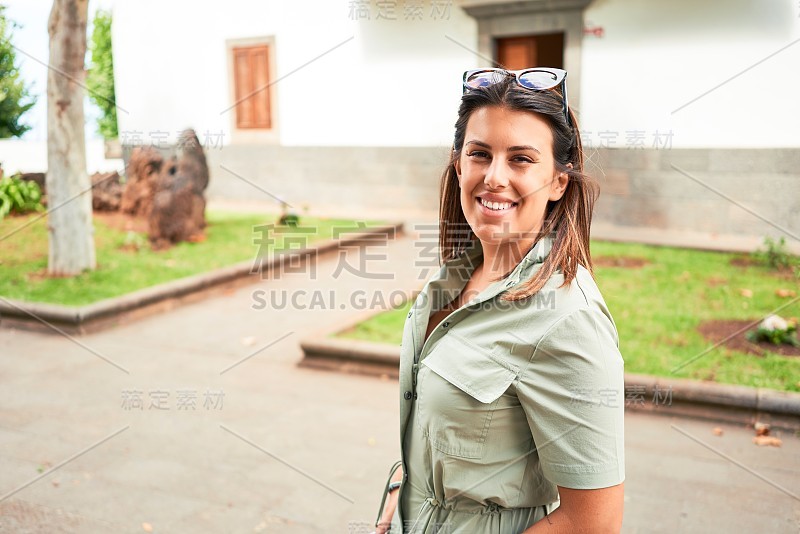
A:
x,y
460,386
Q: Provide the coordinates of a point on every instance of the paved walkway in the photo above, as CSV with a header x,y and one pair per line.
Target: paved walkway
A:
x,y
291,450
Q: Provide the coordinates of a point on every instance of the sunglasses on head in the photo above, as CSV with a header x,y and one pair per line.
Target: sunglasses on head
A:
x,y
535,79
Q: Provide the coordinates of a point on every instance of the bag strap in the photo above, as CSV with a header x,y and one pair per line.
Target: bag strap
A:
x,y
397,464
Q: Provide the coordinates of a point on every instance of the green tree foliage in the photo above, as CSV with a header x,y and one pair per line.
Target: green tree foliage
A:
x,y
15,98
100,76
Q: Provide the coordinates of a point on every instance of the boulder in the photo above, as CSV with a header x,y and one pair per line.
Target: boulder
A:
x,y
177,211
143,170
106,191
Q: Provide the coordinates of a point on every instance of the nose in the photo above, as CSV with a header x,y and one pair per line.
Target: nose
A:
x,y
497,174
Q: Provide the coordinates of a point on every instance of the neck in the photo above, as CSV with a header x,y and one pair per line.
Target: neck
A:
x,y
499,259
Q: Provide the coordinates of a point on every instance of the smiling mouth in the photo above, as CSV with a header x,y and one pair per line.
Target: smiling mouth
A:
x,y
496,206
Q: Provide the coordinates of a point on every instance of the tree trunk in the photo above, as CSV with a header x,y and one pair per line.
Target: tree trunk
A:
x,y
69,195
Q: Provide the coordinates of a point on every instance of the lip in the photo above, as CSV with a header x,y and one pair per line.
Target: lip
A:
x,y
494,213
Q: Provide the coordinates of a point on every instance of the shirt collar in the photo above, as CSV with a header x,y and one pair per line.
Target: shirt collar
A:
x,y
453,275
537,254
456,271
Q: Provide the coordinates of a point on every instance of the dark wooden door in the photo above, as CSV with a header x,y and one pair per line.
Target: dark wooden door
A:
x,y
545,50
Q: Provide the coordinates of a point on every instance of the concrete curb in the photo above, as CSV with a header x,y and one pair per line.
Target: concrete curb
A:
x,y
709,400
656,394
348,356
110,312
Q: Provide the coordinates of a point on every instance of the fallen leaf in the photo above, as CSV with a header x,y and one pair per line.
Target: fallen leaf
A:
x,y
746,293
767,440
762,429
785,293
147,527
717,431
170,263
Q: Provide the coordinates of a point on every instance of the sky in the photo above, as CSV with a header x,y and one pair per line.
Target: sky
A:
x,y
32,41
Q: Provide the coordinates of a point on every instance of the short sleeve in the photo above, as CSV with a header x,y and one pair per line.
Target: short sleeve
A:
x,y
572,392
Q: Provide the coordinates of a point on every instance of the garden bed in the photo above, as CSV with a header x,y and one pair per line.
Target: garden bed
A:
x,y
732,335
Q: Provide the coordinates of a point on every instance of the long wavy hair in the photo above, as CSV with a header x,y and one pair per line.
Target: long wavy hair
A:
x,y
570,216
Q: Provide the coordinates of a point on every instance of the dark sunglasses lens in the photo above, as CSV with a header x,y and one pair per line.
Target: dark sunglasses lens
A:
x,y
484,79
538,79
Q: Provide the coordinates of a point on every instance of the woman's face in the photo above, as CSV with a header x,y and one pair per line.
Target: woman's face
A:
x,y
508,159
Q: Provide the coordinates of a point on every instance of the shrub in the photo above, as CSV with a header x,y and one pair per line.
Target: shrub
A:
x,y
19,196
289,219
775,254
776,330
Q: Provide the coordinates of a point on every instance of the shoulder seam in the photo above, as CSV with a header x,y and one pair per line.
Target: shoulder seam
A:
x,y
552,326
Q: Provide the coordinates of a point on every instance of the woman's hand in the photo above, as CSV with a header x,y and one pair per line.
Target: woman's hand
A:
x,y
385,522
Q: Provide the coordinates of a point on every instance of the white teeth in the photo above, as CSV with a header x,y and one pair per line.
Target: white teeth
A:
x,y
496,205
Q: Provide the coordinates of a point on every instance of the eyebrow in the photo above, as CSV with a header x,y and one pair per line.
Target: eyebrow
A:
x,y
510,149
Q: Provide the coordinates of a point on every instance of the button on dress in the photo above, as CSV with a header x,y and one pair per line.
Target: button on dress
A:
x,y
506,400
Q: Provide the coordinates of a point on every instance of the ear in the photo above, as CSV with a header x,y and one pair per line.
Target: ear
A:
x,y
559,184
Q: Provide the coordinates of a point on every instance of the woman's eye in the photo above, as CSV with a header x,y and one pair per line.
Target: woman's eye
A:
x,y
523,159
478,154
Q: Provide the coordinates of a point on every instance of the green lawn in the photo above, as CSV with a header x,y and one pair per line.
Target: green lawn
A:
x,y
657,308
123,267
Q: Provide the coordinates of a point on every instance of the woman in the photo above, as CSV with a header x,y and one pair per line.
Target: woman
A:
x,y
511,381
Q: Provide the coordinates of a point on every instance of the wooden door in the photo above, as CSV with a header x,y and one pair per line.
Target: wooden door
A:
x,y
251,85
545,50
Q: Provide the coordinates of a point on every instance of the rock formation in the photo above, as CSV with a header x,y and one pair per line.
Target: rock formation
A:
x,y
177,212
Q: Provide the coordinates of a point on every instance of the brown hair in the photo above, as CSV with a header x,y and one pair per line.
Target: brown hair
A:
x,y
570,216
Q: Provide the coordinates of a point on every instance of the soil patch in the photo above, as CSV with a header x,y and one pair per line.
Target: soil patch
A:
x,y
718,330
786,273
626,262
744,261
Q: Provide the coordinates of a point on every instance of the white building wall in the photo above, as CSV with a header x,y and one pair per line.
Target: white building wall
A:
x,y
394,82
397,82
20,155
655,57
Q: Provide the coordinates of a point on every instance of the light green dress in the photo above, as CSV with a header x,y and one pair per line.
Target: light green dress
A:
x,y
505,401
